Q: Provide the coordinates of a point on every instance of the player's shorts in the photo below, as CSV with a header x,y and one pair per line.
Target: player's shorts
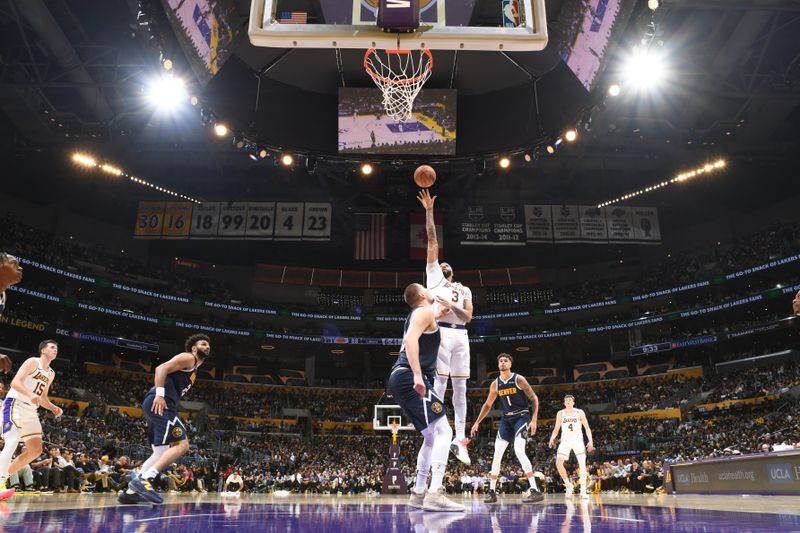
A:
x,y
165,428
512,426
565,447
421,411
453,357
20,420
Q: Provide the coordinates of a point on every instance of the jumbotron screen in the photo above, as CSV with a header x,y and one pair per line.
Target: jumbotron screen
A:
x,y
365,128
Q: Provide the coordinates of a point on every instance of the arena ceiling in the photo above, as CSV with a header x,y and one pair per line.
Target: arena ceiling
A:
x,y
73,71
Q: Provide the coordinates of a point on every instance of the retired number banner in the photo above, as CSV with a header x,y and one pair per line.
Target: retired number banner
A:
x,y
310,221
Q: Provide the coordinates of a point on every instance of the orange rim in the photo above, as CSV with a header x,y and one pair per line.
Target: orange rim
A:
x,y
389,81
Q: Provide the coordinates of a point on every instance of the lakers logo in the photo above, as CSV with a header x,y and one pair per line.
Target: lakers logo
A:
x,y
177,432
436,407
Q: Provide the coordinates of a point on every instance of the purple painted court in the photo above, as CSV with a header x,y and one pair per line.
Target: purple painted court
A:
x,y
210,512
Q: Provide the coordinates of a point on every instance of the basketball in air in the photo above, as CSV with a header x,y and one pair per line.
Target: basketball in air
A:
x,y
424,176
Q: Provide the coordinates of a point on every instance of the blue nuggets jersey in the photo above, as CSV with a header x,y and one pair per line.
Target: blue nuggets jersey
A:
x,y
428,349
177,385
513,401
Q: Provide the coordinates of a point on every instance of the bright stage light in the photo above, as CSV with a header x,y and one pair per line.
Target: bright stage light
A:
x,y
84,160
287,159
571,135
614,89
644,69
110,169
366,169
167,92
221,130
504,162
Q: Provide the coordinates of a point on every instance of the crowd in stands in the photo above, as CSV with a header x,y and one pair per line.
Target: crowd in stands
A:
x,y
780,239
95,454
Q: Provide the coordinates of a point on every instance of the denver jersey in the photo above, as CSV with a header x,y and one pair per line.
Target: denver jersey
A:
x,y
35,382
571,427
455,293
177,385
428,348
513,401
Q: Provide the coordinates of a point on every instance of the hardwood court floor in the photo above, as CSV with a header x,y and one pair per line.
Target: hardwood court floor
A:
x,y
208,513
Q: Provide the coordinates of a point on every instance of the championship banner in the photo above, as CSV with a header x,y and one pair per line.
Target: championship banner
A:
x,y
502,225
566,223
538,223
620,223
309,221
593,223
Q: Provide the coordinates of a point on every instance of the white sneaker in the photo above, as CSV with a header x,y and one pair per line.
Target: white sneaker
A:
x,y
459,449
570,489
437,501
416,500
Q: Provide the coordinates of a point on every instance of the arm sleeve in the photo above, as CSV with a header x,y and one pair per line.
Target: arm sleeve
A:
x,y
434,276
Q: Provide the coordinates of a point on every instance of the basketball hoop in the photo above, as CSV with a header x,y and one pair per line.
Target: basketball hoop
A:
x,y
400,75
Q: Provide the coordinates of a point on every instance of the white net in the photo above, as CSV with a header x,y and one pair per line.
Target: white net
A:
x,y
400,75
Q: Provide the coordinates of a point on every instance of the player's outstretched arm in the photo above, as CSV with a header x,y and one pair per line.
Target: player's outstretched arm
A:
x,y
485,408
523,384
796,303
556,429
585,423
427,202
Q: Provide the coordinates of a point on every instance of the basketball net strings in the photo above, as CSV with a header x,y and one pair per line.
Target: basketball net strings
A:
x,y
401,83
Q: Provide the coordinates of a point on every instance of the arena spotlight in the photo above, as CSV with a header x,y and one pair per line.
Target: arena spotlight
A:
x,y
366,169
253,156
167,64
653,4
707,168
614,89
551,149
194,100
504,162
644,68
528,157
84,160
110,169
571,135
167,92
221,130
262,153
287,159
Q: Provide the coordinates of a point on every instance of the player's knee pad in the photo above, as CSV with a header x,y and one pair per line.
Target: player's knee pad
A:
x,y
519,449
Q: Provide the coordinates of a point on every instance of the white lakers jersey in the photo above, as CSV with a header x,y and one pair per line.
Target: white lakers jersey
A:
x,y
35,382
571,427
455,293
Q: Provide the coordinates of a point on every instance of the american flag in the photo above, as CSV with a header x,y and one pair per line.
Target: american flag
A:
x,y
370,236
292,17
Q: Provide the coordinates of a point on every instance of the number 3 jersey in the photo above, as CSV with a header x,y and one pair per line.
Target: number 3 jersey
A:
x,y
36,382
571,428
454,293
